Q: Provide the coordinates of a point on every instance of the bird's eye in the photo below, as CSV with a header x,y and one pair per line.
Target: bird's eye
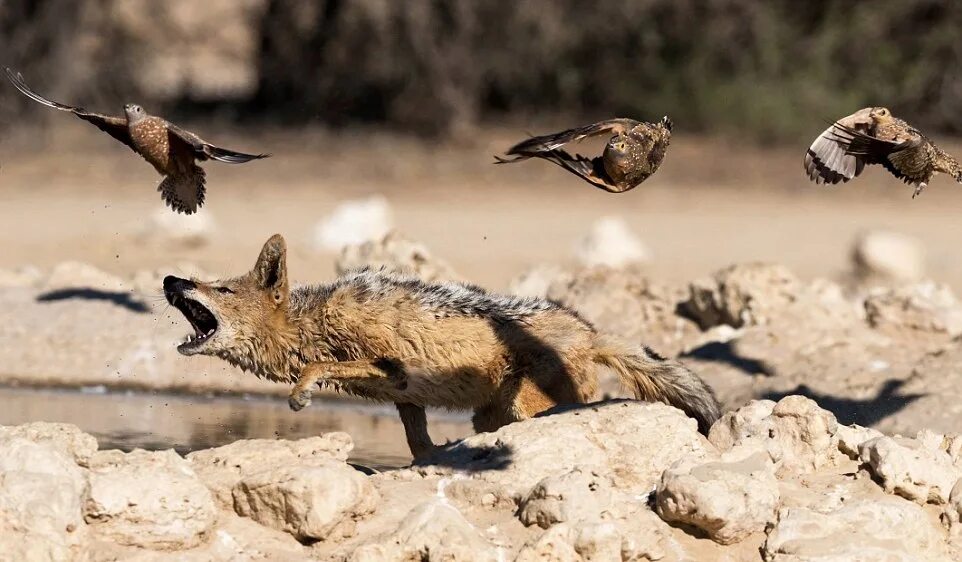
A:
x,y
224,290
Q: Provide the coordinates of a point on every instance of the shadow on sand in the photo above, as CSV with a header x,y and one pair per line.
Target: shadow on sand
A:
x,y
122,299
888,401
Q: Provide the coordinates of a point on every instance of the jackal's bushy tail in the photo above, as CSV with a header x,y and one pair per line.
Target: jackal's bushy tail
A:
x,y
652,378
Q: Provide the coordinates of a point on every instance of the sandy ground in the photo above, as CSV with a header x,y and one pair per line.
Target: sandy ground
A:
x,y
73,194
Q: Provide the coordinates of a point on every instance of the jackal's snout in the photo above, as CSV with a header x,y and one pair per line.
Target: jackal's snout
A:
x,y
176,286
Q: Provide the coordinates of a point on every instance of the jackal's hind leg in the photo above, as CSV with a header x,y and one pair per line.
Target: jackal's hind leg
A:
x,y
343,371
415,429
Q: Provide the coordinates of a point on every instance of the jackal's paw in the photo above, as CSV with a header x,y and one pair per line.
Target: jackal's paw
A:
x,y
299,399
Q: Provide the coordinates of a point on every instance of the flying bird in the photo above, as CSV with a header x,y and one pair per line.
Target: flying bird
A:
x,y
874,136
632,154
171,150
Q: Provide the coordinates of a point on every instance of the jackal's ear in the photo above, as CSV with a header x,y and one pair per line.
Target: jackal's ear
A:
x,y
270,271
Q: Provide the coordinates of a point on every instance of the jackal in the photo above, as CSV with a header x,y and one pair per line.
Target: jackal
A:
x,y
393,338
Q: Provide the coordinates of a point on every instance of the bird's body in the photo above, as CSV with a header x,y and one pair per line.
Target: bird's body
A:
x,y
874,136
172,151
632,154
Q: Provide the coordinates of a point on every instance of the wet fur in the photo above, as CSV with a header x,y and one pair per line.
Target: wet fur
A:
x,y
397,339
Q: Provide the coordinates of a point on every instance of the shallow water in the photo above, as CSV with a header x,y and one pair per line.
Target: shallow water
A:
x,y
154,420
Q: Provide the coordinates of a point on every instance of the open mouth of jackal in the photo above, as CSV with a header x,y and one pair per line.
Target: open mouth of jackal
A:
x,y
201,319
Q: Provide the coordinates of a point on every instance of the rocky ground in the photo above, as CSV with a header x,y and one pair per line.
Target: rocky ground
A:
x,y
622,480
785,475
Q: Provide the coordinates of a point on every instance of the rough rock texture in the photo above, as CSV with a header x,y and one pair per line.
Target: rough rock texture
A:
x,y
741,295
728,500
623,480
396,253
910,469
222,468
40,500
879,528
923,307
797,435
431,531
61,436
319,500
630,442
625,302
148,499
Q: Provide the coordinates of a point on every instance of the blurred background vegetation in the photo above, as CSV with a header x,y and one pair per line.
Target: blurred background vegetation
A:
x,y
763,70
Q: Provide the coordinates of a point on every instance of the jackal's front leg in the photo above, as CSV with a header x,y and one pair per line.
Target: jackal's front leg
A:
x,y
341,371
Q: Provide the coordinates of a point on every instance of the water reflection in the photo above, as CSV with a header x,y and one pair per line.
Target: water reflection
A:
x,y
150,420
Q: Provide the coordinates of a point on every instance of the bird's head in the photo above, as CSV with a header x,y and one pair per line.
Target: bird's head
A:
x,y
666,123
134,113
617,144
880,114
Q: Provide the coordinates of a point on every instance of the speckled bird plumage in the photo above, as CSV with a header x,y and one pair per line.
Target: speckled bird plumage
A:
x,y
874,136
171,150
633,153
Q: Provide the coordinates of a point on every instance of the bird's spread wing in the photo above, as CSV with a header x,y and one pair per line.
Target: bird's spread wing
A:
x,y
591,170
906,159
203,150
113,126
826,161
184,192
536,146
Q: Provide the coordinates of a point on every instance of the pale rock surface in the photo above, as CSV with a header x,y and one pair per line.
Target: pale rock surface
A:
x,y
641,536
394,253
728,499
431,531
884,255
611,243
149,499
63,437
40,501
630,442
907,468
221,468
922,307
741,295
797,434
569,497
352,223
319,500
952,513
876,529
850,437
625,302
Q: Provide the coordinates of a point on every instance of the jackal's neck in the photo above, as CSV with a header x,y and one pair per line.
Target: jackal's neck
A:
x,y
278,353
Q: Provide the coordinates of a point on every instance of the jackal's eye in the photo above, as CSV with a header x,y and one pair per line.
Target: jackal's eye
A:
x,y
224,290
